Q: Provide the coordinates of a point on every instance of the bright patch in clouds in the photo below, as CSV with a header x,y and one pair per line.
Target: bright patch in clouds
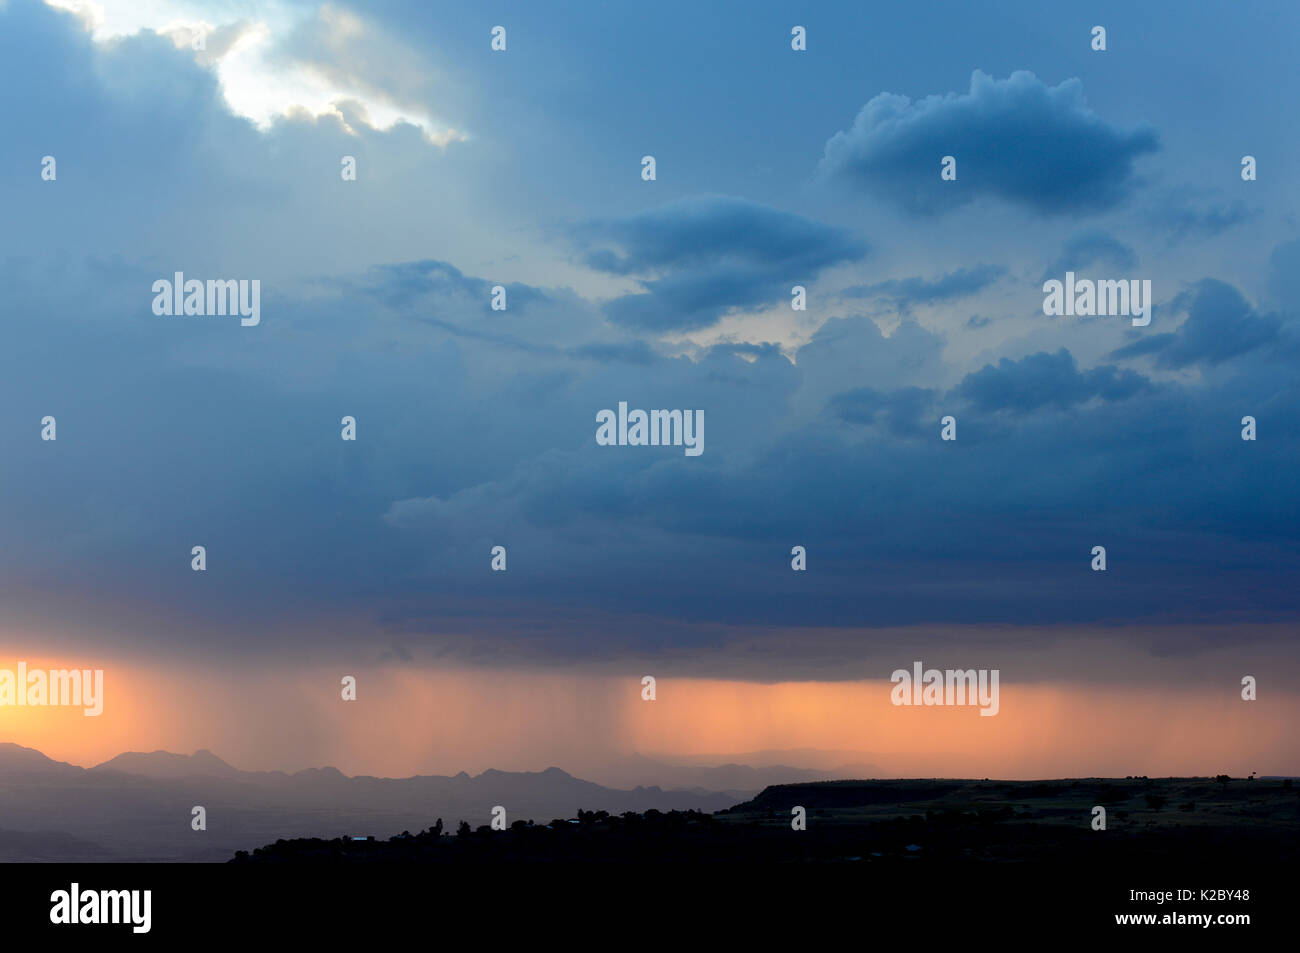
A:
x,y
243,45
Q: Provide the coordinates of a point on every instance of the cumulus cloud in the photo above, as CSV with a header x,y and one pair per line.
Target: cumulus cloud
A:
x,y
477,427
1221,325
698,258
902,411
1015,139
1046,380
854,352
335,54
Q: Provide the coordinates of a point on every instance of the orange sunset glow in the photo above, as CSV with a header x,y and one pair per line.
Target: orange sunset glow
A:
x,y
409,721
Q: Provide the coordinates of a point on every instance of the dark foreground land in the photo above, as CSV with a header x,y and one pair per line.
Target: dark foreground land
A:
x,y
1172,823
1210,862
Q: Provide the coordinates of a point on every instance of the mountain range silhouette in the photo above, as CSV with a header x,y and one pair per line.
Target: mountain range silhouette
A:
x,y
137,806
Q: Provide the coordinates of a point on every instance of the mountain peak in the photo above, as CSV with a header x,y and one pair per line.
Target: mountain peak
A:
x,y
166,764
14,754
10,750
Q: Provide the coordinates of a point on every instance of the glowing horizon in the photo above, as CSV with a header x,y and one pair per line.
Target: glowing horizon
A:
x,y
408,721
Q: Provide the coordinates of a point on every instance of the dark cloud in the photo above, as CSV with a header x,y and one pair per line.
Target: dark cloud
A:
x,y
1221,325
903,411
1182,214
1092,247
906,292
466,443
854,352
1046,380
1284,274
1015,139
438,281
698,258
477,427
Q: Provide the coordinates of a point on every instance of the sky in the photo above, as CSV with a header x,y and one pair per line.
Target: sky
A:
x,y
476,428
